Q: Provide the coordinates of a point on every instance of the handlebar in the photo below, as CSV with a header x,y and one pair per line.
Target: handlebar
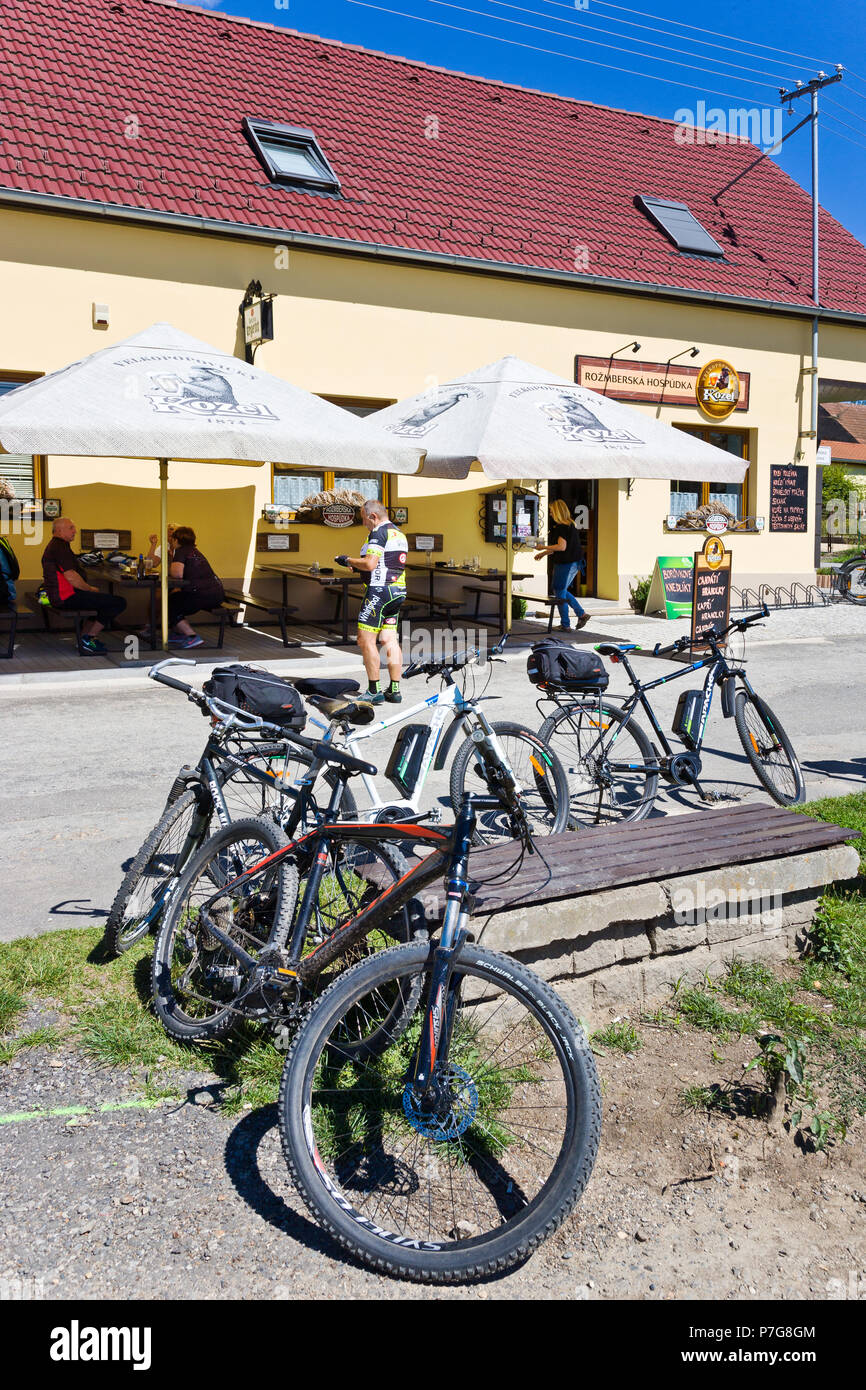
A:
x,y
244,720
454,663
712,634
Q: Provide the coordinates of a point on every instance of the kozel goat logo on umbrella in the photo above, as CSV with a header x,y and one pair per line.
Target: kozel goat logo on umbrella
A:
x,y
201,392
422,420
576,423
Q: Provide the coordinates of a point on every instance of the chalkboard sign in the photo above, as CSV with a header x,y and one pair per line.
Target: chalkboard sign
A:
x,y
670,591
788,498
711,597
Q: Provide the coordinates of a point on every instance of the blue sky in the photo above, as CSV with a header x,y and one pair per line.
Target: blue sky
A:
x,y
757,46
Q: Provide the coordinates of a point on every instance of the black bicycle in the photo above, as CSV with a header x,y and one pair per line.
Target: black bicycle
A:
x,y
613,769
242,772
848,583
439,1109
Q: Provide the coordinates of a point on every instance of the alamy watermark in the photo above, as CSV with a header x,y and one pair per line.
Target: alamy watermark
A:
x,y
762,125
696,906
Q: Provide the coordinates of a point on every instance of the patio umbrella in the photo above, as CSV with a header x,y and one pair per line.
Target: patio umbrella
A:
x,y
162,394
517,420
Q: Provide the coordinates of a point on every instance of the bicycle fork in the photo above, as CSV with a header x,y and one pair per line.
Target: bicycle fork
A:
x,y
428,1092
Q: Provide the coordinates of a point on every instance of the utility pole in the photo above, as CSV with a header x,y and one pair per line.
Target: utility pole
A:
x,y
800,89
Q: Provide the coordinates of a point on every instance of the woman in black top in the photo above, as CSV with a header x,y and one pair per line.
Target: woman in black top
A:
x,y
567,551
202,588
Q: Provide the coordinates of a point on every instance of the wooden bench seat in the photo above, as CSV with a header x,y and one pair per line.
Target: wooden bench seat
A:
x,y
50,616
8,617
241,598
599,857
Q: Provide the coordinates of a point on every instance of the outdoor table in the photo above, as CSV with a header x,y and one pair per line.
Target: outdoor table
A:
x,y
499,577
112,576
344,581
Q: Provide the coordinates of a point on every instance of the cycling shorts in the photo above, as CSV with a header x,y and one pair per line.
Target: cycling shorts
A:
x,y
380,608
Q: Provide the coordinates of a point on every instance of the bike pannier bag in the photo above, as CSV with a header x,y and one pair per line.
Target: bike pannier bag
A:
x,y
687,719
563,667
258,692
407,756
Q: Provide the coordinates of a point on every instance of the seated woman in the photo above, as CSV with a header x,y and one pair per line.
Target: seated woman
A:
x,y
155,552
201,588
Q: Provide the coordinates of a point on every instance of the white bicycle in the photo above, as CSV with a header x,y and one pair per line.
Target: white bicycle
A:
x,y
502,755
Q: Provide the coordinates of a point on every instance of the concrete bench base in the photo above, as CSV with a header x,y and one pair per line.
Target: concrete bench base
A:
x,y
625,947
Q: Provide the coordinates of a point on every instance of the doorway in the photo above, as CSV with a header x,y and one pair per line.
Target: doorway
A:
x,y
581,498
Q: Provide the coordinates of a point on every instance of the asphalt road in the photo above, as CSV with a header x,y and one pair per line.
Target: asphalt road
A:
x,y
86,771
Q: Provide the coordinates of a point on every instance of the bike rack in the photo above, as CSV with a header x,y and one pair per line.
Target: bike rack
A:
x,y
780,596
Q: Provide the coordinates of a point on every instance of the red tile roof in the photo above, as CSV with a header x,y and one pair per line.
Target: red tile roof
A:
x,y
845,422
139,103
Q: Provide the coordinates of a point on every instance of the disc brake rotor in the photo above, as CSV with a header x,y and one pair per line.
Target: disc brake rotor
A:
x,y
462,1107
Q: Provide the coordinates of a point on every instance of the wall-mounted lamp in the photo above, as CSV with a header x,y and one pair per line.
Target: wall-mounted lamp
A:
x,y
257,315
684,352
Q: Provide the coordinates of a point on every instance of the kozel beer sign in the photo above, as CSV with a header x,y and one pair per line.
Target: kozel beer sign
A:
x,y
717,389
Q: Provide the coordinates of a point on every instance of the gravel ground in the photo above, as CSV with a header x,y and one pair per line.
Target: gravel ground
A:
x,y
180,1201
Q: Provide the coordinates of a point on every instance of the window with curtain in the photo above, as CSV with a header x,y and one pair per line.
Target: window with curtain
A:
x,y
368,484
21,470
291,486
687,495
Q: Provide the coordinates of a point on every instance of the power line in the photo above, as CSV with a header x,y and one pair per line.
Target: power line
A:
x,y
578,24
536,48
842,107
828,116
654,29
647,57
607,4
831,130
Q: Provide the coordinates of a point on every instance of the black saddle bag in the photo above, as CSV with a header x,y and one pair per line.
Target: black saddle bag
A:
x,y
561,667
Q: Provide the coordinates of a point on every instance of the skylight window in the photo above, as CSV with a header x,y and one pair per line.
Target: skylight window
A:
x,y
291,155
677,223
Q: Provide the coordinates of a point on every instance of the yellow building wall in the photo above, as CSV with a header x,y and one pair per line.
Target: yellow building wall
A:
x,y
344,326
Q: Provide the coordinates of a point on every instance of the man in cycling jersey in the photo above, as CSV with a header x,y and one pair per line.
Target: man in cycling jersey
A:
x,y
383,563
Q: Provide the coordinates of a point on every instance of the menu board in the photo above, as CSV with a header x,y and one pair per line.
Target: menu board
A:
x,y
789,498
711,596
671,589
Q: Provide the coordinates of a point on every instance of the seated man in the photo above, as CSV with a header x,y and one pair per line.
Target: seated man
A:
x,y
68,589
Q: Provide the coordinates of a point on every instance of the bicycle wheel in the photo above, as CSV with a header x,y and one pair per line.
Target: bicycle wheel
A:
x,y
608,763
356,874
180,831
769,750
196,980
475,1187
852,585
540,778
164,853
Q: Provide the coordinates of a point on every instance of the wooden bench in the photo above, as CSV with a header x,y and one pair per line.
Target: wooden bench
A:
x,y
617,916
79,616
9,615
240,598
605,856
550,602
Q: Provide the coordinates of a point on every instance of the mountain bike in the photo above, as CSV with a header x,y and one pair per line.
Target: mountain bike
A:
x,y
439,1109
491,750
444,1139
200,992
850,585
612,767
240,773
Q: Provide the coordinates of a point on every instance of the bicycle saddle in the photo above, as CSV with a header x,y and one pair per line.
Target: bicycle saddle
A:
x,y
614,649
332,689
346,711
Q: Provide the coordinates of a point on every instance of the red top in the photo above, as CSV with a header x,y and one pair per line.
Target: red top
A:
x,y
139,103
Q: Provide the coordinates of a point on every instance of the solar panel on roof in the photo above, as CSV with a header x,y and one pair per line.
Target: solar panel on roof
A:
x,y
684,229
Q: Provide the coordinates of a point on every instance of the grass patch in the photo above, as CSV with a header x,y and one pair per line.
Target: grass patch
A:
x,y
118,1032
849,811
623,1037
37,1037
